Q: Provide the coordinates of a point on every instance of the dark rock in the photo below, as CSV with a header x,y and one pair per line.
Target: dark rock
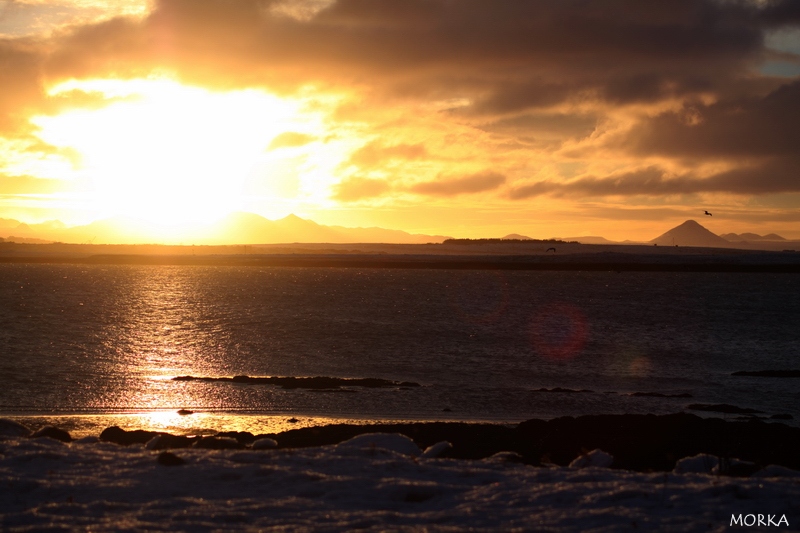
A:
x,y
505,457
242,437
53,433
661,395
293,420
169,459
184,412
126,438
317,382
649,442
722,408
165,441
264,444
736,468
470,441
637,442
9,428
218,443
768,373
560,389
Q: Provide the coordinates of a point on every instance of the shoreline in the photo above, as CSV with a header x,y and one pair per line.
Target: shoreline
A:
x,y
332,479
642,443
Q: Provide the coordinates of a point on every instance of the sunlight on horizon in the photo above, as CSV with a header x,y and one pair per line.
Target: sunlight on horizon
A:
x,y
172,155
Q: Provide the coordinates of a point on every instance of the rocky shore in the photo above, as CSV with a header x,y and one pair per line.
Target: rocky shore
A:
x,y
644,443
478,477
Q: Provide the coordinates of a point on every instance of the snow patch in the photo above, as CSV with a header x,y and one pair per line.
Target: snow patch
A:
x,y
49,485
596,458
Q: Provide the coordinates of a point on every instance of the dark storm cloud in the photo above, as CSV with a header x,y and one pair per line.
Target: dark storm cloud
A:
x,y
505,54
744,127
758,134
512,58
773,177
480,182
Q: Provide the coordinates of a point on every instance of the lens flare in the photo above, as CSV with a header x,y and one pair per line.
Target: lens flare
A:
x,y
559,331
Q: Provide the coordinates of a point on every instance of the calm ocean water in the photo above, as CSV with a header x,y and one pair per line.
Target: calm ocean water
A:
x,y
100,342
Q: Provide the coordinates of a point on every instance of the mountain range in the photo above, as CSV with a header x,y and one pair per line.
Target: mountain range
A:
x,y
691,233
237,228
248,228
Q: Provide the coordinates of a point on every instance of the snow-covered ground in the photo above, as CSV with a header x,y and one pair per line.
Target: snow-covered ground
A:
x,y
371,483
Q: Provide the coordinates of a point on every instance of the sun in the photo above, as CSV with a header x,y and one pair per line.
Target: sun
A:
x,y
166,153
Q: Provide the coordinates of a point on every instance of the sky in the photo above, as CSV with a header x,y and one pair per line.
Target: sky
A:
x,y
468,118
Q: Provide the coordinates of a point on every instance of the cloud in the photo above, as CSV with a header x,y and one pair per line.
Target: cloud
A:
x,y
17,185
775,177
356,188
660,92
20,77
651,180
760,126
505,55
545,125
480,182
375,153
290,139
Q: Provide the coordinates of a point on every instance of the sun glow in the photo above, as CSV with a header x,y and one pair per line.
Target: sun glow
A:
x,y
169,154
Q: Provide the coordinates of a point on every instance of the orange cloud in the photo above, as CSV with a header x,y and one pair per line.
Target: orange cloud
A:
x,y
375,153
475,183
290,139
21,185
356,188
560,98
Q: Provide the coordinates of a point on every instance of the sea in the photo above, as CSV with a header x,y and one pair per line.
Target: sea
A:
x,y
90,346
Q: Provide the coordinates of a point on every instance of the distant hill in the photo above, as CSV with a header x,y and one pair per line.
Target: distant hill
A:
x,y
690,233
751,237
590,240
582,240
237,228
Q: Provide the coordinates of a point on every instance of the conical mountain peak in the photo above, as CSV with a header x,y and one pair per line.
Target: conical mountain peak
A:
x,y
691,233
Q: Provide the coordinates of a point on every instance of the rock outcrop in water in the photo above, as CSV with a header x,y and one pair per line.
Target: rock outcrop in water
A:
x,y
723,408
768,373
318,382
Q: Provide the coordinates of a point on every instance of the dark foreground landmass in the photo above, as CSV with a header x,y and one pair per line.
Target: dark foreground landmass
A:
x,y
491,255
637,442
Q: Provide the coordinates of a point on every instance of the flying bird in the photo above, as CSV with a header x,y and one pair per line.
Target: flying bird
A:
x,y
709,214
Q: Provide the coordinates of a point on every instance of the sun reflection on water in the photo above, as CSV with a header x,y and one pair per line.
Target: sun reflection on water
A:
x,y
197,423
164,331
